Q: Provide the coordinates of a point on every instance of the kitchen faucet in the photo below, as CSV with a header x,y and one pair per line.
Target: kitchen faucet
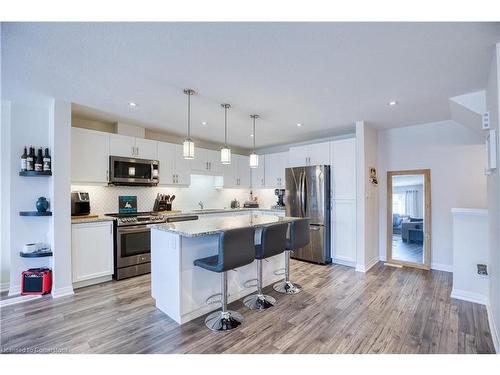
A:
x,y
200,203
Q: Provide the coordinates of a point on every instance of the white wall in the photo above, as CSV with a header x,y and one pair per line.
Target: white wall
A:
x,y
456,157
5,196
367,229
60,187
493,104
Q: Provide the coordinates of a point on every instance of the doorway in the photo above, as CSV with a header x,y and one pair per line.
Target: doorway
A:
x,y
409,218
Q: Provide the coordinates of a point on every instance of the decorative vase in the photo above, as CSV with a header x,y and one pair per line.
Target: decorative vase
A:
x,y
42,204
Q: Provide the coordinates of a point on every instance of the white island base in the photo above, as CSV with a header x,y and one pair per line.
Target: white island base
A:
x,y
181,289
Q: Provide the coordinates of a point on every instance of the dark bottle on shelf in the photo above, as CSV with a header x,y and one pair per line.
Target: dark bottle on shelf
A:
x,y
24,158
30,160
47,162
39,161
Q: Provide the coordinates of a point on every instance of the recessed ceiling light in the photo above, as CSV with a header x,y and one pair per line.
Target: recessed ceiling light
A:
x,y
203,122
132,104
299,124
392,103
251,135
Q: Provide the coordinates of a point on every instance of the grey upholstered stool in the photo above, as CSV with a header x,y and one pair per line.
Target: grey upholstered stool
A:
x,y
299,237
273,242
236,249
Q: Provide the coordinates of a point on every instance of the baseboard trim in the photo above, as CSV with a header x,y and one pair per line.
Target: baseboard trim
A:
x,y
493,329
98,280
18,299
469,296
62,292
366,267
442,267
342,262
4,287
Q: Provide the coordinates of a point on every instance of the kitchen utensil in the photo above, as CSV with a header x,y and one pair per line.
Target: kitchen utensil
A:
x,y
172,198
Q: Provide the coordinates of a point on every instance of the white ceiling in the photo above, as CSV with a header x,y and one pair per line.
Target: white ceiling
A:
x,y
324,75
407,180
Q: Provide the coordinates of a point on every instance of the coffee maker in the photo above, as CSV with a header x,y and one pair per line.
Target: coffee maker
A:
x,y
280,193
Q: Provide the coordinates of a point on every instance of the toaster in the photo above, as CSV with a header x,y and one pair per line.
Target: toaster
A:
x,y
80,203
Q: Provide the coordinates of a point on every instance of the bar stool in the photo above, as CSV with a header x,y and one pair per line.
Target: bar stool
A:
x,y
273,242
236,249
299,237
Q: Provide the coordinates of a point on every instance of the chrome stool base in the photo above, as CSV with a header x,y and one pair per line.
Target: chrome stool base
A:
x,y
287,287
223,321
259,302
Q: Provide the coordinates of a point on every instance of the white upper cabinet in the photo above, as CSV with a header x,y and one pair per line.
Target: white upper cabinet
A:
x,y
174,169
242,163
121,145
258,174
146,149
125,146
237,174
274,169
343,168
206,161
319,154
89,156
314,154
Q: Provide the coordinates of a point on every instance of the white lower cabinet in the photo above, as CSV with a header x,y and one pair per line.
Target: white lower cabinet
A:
x,y
344,232
91,252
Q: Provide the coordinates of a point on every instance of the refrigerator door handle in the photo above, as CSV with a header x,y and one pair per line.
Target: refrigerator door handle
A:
x,y
302,194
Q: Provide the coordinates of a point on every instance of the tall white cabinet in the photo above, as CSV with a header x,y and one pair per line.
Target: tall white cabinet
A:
x,y
343,187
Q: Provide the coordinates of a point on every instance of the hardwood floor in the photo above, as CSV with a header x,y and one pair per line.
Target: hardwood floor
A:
x,y
386,310
408,252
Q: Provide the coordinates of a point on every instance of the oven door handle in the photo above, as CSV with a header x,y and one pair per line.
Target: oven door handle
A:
x,y
134,229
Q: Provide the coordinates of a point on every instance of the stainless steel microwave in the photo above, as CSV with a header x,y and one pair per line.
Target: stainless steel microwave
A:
x,y
135,172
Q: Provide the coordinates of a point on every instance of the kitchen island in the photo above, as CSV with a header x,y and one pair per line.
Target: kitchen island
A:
x,y
182,289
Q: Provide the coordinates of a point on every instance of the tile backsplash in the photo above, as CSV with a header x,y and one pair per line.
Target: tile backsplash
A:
x,y
104,199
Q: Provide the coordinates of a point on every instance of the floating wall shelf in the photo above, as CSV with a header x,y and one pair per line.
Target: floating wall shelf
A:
x,y
34,174
35,213
36,255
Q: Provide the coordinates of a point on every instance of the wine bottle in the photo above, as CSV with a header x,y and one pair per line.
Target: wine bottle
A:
x,y
39,161
47,161
30,160
24,156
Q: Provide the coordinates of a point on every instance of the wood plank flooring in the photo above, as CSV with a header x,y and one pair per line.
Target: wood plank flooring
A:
x,y
386,310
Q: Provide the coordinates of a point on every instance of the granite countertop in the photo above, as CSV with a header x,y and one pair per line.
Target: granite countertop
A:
x,y
206,226
177,213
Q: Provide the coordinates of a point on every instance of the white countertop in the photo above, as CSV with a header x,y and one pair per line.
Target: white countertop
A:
x,y
206,226
470,211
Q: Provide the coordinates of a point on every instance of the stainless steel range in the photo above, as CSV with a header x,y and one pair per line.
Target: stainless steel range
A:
x,y
133,243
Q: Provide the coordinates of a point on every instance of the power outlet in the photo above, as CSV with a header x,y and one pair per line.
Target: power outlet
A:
x,y
482,269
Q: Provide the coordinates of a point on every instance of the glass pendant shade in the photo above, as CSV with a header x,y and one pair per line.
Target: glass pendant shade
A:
x,y
225,155
254,160
188,149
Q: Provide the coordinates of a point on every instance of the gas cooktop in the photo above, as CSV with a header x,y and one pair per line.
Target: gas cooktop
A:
x,y
137,218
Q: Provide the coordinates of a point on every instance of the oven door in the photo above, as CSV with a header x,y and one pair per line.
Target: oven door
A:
x,y
133,245
127,171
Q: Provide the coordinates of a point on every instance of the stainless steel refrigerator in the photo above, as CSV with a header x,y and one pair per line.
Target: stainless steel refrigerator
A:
x,y
308,195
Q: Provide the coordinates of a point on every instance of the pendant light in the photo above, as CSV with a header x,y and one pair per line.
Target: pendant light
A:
x,y
225,152
254,158
188,145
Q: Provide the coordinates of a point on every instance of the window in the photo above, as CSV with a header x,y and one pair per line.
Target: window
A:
x,y
398,203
